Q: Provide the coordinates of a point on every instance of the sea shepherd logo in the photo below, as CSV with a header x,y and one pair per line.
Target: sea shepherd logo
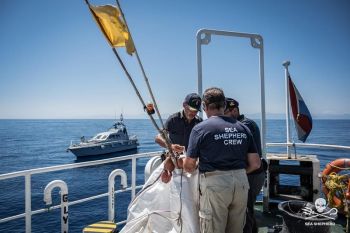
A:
x,y
320,213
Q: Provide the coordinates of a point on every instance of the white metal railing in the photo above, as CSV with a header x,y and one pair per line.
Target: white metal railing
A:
x,y
27,174
308,145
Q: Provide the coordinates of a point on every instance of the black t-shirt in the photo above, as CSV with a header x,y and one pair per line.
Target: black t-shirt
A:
x,y
220,143
254,129
179,128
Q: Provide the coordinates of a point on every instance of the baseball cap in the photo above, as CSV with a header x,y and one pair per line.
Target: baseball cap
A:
x,y
231,103
193,101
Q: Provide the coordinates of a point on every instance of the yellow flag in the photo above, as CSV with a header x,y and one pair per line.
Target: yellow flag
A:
x,y
112,26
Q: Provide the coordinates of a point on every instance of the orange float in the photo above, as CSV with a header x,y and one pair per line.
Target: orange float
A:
x,y
338,181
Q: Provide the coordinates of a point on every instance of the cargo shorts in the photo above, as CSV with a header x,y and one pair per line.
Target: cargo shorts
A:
x,y
223,201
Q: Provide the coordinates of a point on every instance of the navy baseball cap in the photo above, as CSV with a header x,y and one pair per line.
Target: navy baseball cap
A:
x,y
231,103
193,101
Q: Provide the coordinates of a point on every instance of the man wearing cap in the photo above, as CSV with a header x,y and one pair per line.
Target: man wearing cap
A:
x,y
256,178
180,124
225,151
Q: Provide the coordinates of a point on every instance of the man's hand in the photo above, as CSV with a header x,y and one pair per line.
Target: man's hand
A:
x,y
167,171
180,162
174,147
166,176
177,148
189,164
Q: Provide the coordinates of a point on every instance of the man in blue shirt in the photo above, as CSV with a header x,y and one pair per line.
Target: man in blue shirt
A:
x,y
256,178
180,124
225,151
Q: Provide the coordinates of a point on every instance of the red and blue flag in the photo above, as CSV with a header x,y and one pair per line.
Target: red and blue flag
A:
x,y
301,114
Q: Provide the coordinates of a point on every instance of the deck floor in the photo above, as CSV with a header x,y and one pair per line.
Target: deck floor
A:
x,y
267,221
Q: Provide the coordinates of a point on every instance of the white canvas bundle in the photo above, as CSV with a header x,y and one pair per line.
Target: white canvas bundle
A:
x,y
156,209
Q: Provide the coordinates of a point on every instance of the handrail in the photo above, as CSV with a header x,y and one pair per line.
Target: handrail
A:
x,y
43,210
308,145
75,165
28,173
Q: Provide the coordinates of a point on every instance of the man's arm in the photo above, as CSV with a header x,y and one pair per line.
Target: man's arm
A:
x,y
254,162
189,164
159,139
175,147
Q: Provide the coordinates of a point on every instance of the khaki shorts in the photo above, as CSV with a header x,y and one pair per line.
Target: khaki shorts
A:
x,y
223,201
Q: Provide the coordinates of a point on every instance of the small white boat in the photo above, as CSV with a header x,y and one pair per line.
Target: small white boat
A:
x,y
114,140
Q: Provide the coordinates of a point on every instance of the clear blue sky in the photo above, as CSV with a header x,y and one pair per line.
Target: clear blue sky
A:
x,y
55,63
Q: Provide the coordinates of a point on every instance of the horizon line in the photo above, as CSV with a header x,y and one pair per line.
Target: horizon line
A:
x,y
135,118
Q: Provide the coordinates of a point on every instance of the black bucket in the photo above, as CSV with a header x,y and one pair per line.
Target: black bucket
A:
x,y
301,216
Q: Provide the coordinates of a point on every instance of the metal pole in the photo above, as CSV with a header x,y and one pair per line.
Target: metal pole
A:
x,y
135,88
64,201
167,142
286,64
199,67
133,178
129,76
141,66
130,79
28,203
262,99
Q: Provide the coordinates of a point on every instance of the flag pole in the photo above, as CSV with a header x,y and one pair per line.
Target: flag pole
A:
x,y
286,64
167,142
141,66
162,132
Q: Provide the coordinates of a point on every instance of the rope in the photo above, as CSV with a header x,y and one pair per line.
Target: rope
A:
x,y
168,145
141,66
179,220
341,168
145,188
337,186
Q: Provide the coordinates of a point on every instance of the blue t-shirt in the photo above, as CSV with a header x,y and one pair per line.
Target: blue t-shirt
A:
x,y
220,143
179,129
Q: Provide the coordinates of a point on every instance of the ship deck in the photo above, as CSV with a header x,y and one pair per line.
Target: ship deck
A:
x,y
272,221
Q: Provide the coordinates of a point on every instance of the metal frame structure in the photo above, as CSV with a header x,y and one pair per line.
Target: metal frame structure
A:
x,y
204,38
256,41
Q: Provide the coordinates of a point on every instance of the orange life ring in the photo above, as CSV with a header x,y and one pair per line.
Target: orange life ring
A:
x,y
336,166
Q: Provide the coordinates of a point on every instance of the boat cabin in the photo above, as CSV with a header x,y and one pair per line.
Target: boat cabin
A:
x,y
111,136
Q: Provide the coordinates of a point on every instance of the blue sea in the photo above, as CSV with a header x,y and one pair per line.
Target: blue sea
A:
x,y
28,144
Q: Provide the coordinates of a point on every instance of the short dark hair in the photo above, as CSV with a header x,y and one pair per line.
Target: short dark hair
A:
x,y
214,98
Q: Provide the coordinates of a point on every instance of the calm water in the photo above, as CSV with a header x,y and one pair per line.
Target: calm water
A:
x,y
27,144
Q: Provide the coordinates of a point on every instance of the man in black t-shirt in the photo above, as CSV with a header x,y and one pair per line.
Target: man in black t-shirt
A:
x,y
256,178
180,124
225,151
